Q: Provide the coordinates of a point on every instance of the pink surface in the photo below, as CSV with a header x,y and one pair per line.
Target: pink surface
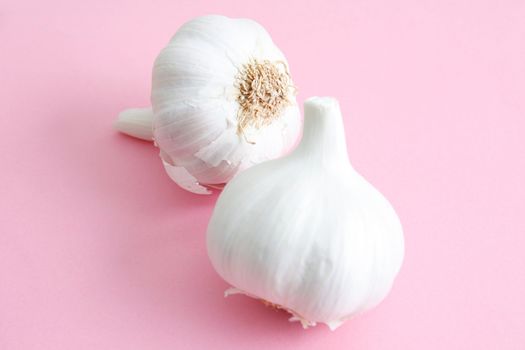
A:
x,y
99,250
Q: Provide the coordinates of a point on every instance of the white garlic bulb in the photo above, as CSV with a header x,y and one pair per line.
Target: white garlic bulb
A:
x,y
306,232
222,99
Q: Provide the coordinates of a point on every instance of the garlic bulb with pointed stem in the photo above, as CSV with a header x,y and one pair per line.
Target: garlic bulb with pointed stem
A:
x,y
223,100
306,232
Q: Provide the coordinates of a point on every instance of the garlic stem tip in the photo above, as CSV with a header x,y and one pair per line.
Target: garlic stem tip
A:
x,y
324,103
136,122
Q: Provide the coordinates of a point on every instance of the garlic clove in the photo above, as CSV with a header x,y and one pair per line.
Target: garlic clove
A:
x,y
136,122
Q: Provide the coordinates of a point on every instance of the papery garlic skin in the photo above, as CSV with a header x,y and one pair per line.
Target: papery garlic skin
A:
x,y
307,232
196,108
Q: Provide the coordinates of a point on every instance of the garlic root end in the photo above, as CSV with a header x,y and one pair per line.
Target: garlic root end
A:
x,y
295,317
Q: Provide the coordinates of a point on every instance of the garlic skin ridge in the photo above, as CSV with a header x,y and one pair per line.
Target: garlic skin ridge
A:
x,y
306,232
222,101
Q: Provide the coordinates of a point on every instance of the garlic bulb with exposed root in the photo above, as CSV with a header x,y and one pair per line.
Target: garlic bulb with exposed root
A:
x,y
222,100
306,232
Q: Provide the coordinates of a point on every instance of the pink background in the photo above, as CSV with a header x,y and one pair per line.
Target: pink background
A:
x,y
99,250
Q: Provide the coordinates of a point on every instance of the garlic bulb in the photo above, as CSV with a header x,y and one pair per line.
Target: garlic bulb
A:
x,y
222,100
306,233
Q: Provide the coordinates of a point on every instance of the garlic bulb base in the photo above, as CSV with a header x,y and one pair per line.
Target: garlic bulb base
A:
x,y
263,93
295,317
136,122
